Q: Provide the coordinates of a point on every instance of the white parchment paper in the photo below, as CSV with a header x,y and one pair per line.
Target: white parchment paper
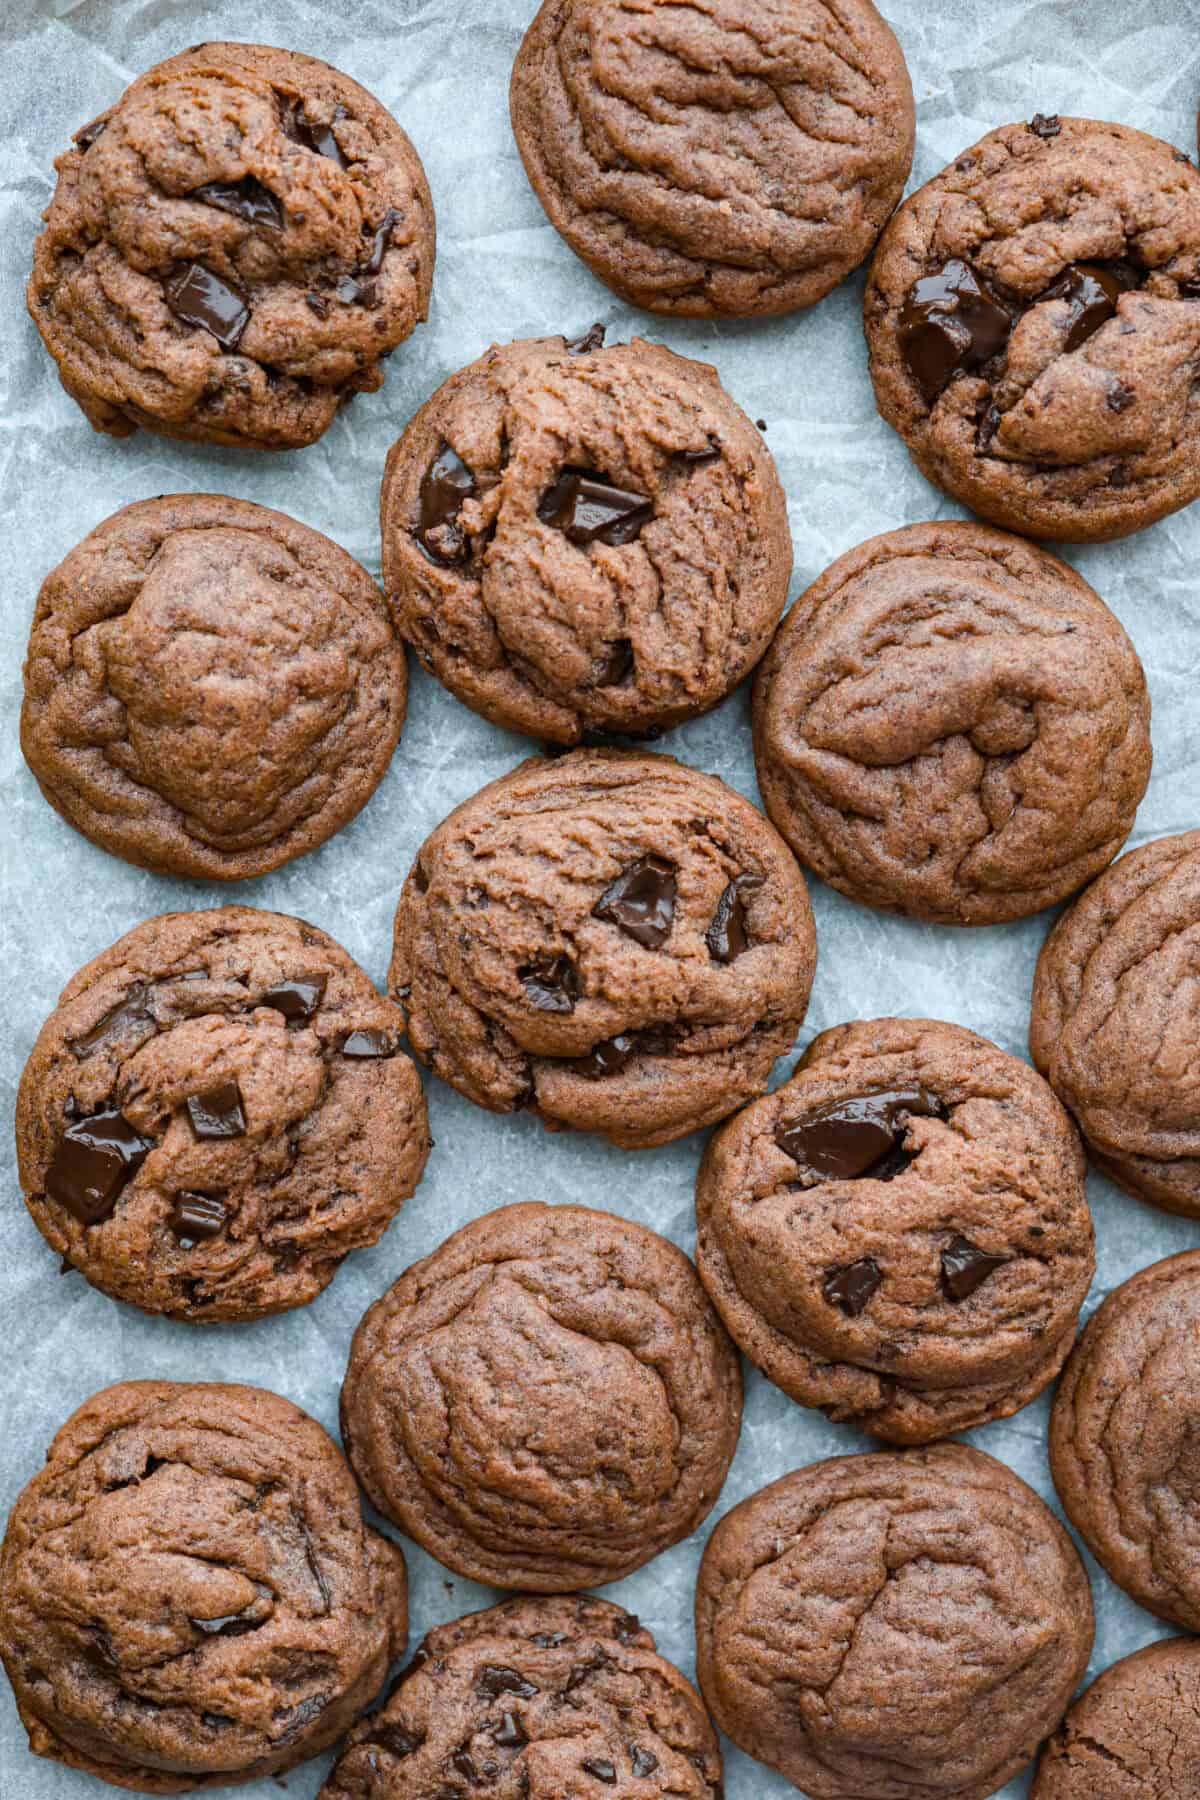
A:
x,y
442,66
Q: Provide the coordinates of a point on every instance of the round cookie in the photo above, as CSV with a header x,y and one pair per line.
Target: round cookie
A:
x,y
615,940
188,1595
546,1402
211,688
952,725
1113,1024
891,1625
719,159
216,1113
1134,1735
900,1235
585,539
232,250
1122,1438
1033,319
543,1698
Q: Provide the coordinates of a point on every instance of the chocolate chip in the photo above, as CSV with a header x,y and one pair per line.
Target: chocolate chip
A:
x,y
592,339
353,292
131,1010
579,1674
509,1734
461,1762
966,1267
1092,291
380,241
848,1140
195,1217
761,424
727,937
588,509
447,482
495,1679
1119,397
850,1288
643,1762
297,999
230,1625
626,1628
641,902
606,1058
246,199
216,1721
318,137
395,1740
318,304
367,1044
86,136
1190,289
217,1111
1046,125
549,1640
695,457
93,1160
617,665
551,983
950,323
198,297
601,1768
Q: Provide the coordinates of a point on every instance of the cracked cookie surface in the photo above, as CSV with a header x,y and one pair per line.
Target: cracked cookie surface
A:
x,y
546,1402
1135,1733
232,249
1122,1438
188,1595
579,538
618,941
211,688
216,1113
899,1235
892,1625
1113,1022
720,158
1033,319
952,725
541,1699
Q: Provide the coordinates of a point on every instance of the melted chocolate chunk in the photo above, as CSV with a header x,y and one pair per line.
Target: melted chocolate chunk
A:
x,y
510,1734
195,1218
1092,291
601,1768
380,241
198,297
353,292
695,457
317,137
950,323
93,1160
608,1057
1190,289
396,1741
297,999
132,1010
627,1628
850,1288
588,509
642,1762
848,1140
447,482
246,199
231,1625
727,937
617,665
317,303
641,902
592,339
217,1112
462,1764
367,1044
966,1267
1045,125
1119,398
552,983
495,1679
86,136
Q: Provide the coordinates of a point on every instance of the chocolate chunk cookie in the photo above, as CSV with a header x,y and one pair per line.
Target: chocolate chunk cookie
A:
x,y
546,1402
1033,317
1134,1735
951,724
550,1699
892,1625
232,250
578,538
899,1235
1113,1027
620,942
216,1113
211,689
722,158
1123,1446
188,1595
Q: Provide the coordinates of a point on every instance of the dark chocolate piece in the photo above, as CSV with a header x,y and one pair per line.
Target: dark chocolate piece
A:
x,y
510,1734
608,1057
641,902
132,1010
396,1741
217,1112
367,1044
592,339
588,509
198,297
966,1267
695,457
1046,125
317,303
850,1288
643,1762
93,1160
297,999
1119,398
552,984
495,1679
353,292
230,1625
318,137
601,1768
617,665
447,482
196,1217
848,1140
246,199
1092,291
727,937
379,242
461,1763
950,323
86,136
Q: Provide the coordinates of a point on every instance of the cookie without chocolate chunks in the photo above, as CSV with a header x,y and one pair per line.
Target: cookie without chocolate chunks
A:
x,y
892,1624
546,1402
1123,1441
195,1131
1134,1734
952,725
717,159
1113,1026
525,964
543,1698
232,250
585,539
211,688
188,1595
900,1235
1033,318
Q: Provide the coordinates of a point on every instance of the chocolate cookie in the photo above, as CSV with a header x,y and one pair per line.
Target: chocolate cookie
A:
x,y
620,942
578,538
546,1402
952,725
216,1113
1113,1027
718,159
211,689
1135,1733
188,1595
1123,1442
1033,317
232,250
899,1235
547,1699
892,1625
